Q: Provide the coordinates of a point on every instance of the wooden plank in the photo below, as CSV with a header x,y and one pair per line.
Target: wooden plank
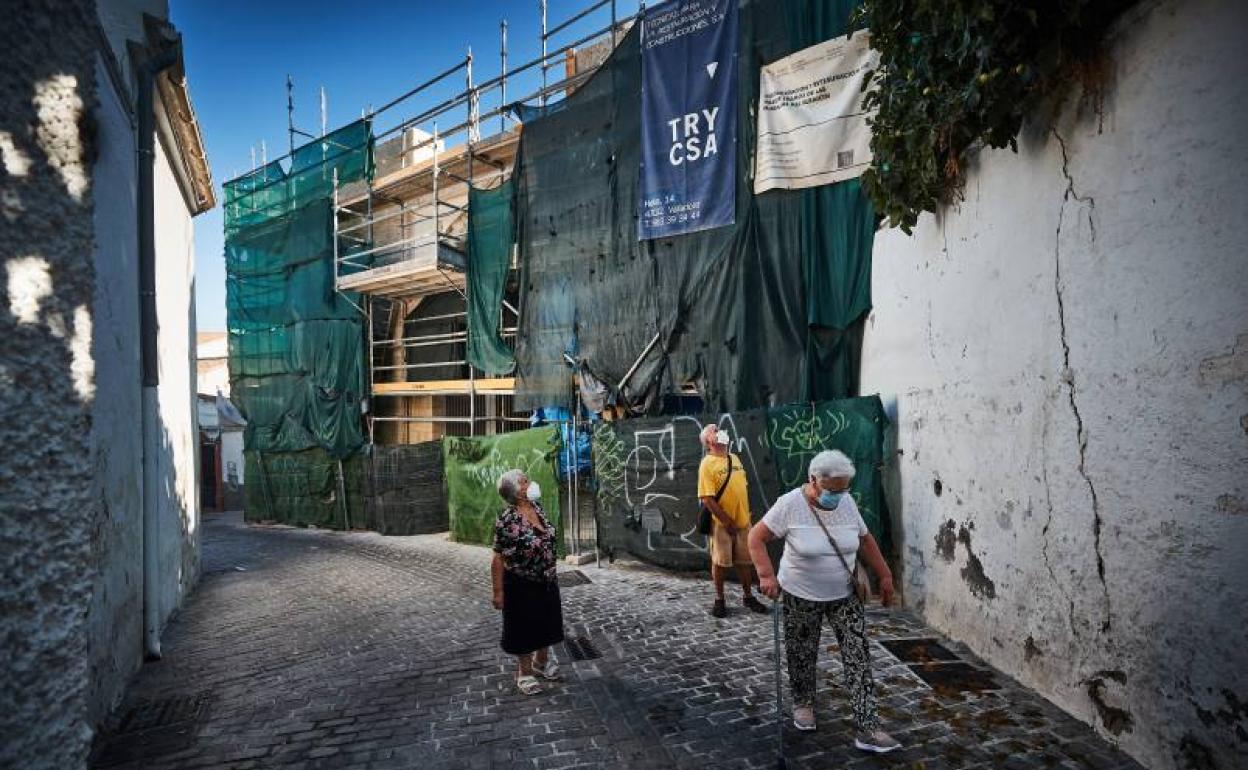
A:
x,y
488,385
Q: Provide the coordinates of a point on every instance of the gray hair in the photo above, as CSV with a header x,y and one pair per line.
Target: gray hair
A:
x,y
704,438
509,485
832,464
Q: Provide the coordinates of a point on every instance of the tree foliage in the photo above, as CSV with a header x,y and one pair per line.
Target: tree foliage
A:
x,y
956,74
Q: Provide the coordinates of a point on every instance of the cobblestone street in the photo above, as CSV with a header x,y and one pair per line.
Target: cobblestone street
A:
x,y
303,648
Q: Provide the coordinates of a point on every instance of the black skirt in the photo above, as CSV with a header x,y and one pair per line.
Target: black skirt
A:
x,y
532,614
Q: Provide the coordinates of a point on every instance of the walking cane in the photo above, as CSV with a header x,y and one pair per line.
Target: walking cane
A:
x,y
775,633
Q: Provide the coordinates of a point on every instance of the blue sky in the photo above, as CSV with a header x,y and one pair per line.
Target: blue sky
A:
x,y
239,53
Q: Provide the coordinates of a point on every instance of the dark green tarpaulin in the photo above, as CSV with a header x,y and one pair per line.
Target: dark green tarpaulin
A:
x,y
767,310
304,489
855,426
473,467
295,344
491,235
646,471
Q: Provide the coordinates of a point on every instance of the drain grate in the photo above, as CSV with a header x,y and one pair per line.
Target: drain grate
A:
x,y
955,677
148,715
581,648
573,577
918,650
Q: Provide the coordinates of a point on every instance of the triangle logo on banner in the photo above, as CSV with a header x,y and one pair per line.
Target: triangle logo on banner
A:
x,y
711,68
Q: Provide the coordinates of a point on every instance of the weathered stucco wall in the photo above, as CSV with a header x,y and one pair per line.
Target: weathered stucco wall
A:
x,y
71,524
47,95
116,615
1067,353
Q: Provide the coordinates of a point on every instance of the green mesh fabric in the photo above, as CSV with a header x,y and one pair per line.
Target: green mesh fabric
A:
x,y
296,346
768,310
491,236
855,426
274,190
473,467
303,488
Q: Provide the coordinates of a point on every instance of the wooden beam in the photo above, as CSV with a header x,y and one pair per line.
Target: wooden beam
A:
x,y
487,386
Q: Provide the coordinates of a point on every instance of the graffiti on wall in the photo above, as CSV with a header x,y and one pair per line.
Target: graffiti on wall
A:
x,y
646,470
647,475
473,467
855,426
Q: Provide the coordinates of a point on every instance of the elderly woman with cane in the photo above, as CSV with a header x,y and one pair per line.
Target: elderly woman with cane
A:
x,y
824,535
526,588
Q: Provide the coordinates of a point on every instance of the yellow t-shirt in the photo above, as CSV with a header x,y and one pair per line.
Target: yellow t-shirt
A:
x,y
736,498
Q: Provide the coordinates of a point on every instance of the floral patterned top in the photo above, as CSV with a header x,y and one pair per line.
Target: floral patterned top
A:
x,y
525,551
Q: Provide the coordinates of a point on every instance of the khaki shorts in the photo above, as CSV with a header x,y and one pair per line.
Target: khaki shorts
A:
x,y
729,550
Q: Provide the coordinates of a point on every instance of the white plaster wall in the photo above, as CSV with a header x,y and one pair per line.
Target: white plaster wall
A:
x,y
122,20
178,526
116,614
1066,353
213,377
232,452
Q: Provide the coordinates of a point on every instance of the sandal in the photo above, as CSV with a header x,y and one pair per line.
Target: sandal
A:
x,y
550,672
528,685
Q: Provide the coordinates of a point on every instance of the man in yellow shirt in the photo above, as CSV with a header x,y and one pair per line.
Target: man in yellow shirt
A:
x,y
730,517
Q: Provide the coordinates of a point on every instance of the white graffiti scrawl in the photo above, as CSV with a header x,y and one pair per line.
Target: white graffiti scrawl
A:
x,y
647,477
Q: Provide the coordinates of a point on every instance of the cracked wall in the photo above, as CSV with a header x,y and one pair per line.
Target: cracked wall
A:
x,y
1065,358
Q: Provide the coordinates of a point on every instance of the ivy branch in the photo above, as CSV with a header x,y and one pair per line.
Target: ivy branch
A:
x,y
958,74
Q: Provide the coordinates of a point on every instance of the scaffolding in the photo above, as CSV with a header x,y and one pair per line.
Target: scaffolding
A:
x,y
400,234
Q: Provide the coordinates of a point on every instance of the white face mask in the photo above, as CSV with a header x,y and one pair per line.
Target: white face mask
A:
x,y
534,492
722,438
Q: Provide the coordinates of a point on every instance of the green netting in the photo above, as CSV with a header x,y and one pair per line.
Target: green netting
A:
x,y
296,346
473,466
303,488
490,238
798,432
764,311
273,189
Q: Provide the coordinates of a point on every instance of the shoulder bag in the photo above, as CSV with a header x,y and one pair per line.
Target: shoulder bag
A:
x,y
704,513
859,583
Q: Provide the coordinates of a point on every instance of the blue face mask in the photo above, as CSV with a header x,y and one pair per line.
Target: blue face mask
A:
x,y
829,499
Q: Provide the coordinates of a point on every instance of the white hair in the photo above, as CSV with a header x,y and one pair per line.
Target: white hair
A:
x,y
509,485
704,437
832,464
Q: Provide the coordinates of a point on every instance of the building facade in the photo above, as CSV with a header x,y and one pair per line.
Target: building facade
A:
x,y
99,512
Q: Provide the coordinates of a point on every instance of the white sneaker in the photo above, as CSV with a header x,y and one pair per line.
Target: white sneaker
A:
x,y
876,741
804,718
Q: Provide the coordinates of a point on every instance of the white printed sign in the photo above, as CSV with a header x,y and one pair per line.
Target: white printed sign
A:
x,y
811,126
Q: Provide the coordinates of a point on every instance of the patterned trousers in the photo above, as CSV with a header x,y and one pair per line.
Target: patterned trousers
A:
x,y
803,621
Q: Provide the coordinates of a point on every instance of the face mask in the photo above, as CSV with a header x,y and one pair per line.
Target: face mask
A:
x,y
722,438
534,492
829,499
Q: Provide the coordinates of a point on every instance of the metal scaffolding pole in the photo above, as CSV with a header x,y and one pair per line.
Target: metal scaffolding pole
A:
x,y
502,79
290,113
324,112
368,319
542,3
335,207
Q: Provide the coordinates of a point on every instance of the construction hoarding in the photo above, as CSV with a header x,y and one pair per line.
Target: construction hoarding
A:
x,y
646,471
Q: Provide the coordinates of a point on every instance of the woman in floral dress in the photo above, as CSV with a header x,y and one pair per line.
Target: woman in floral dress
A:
x,y
526,588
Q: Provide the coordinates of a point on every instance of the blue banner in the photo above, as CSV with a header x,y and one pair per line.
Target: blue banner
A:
x,y
688,118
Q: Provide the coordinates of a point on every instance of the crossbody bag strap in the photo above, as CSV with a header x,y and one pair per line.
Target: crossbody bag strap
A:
x,y
727,478
831,540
